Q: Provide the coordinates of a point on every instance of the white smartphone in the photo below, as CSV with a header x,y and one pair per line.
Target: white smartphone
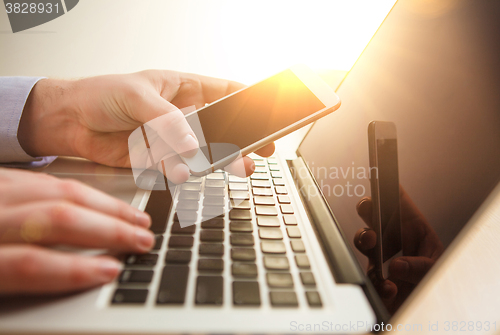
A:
x,y
255,116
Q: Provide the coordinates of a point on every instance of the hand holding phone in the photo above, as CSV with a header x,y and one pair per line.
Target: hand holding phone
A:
x,y
386,215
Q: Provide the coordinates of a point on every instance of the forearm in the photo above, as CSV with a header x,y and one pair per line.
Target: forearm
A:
x,y
48,119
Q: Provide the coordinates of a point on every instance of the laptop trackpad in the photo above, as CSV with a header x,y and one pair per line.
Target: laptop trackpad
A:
x,y
116,182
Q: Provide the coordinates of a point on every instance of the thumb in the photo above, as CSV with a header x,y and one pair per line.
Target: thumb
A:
x,y
410,269
168,122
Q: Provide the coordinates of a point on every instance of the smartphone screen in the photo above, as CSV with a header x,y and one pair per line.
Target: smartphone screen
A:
x,y
258,111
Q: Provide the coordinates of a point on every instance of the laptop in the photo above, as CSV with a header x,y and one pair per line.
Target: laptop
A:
x,y
287,262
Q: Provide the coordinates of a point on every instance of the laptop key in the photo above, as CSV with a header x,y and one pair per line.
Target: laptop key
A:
x,y
215,249
293,232
297,245
278,182
214,201
270,233
274,168
215,223
261,183
215,183
284,199
241,226
302,262
209,290
189,195
290,220
283,299
276,263
186,216
280,190
273,247
215,176
158,242
240,204
173,284
240,214
279,280
313,299
236,179
259,191
180,241
187,205
158,207
246,293
210,264
242,239
136,276
142,259
129,296
268,221
238,187
212,236
214,192
272,161
276,174
194,179
307,278
239,195
191,187
244,270
266,201
210,212
243,254
178,256
266,210
261,174
177,229
286,209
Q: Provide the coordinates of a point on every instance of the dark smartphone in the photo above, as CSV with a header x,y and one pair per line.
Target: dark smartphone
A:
x,y
384,181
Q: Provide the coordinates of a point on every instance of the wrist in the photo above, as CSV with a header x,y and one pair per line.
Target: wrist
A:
x,y
48,119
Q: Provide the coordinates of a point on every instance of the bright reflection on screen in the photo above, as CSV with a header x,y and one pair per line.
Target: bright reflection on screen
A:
x,y
247,41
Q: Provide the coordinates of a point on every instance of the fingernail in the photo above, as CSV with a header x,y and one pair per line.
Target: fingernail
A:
x,y
109,269
251,168
144,239
187,145
142,219
401,267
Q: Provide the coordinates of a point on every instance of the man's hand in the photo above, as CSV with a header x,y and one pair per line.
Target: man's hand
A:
x,y
38,210
93,117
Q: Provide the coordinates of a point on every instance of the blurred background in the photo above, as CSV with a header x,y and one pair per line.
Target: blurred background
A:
x,y
244,41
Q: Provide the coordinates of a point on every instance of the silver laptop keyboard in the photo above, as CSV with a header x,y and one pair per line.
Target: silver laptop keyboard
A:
x,y
261,216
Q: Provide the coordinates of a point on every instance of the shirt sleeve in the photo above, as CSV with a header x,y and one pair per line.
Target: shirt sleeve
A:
x,y
14,92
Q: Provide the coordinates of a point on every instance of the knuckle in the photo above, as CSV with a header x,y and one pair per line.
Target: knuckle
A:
x,y
78,275
71,188
28,264
122,235
62,213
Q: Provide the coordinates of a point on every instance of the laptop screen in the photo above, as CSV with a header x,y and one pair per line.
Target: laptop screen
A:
x,y
432,71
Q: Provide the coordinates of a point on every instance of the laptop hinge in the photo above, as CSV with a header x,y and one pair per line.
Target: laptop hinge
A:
x,y
341,259
345,270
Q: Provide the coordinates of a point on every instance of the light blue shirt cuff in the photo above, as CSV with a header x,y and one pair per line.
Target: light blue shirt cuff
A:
x,y
14,92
